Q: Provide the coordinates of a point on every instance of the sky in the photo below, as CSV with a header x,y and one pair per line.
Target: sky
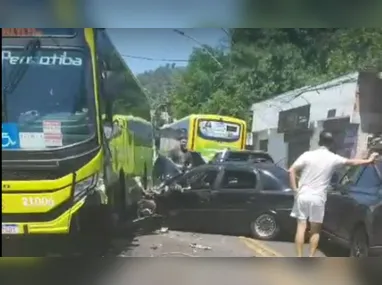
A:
x,y
161,44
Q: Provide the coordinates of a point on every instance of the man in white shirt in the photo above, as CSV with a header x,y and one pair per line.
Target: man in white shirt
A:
x,y
316,170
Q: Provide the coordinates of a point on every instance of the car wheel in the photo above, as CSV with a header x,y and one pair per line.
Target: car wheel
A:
x,y
359,246
265,227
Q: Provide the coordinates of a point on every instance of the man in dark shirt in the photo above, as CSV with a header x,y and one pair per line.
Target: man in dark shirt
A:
x,y
180,154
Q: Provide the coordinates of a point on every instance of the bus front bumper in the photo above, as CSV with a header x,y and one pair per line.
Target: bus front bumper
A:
x,y
60,225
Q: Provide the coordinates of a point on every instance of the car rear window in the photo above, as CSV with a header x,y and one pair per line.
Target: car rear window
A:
x,y
280,173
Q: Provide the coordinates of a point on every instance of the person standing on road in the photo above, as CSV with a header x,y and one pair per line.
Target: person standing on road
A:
x,y
316,170
180,154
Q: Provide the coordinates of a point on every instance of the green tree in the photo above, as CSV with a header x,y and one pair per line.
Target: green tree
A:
x,y
262,63
356,49
203,77
158,83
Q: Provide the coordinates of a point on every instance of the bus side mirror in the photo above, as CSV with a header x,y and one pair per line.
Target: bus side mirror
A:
x,y
112,130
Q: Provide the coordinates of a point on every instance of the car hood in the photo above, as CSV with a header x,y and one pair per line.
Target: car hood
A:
x,y
165,168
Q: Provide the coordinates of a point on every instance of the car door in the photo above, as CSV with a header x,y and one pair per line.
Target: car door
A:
x,y
235,198
276,196
376,225
335,200
358,199
193,204
368,201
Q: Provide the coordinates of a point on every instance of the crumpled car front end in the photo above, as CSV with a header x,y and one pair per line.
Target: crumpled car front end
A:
x,y
165,173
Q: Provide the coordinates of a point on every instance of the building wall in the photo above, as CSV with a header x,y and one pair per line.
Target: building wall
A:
x,y
339,94
361,151
278,148
368,104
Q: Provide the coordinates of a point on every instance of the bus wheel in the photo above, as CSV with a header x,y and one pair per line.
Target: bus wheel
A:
x,y
108,213
92,229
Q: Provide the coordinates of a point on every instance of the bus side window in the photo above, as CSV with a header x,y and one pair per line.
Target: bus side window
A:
x,y
105,98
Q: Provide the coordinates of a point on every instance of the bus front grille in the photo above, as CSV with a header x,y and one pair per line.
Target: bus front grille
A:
x,y
18,175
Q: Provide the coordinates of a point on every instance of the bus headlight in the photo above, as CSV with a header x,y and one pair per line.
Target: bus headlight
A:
x,y
84,186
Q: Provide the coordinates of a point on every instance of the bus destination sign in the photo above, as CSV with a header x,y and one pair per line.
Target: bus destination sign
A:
x,y
36,32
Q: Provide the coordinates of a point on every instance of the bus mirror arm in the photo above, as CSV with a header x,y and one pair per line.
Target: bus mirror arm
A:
x,y
112,131
116,131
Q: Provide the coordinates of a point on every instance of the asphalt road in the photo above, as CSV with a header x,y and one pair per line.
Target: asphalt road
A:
x,y
156,242
166,243
284,247
137,271
182,244
163,243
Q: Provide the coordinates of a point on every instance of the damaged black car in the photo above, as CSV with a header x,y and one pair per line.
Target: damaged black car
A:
x,y
230,197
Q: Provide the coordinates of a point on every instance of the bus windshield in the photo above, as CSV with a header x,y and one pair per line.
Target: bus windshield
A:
x,y
53,103
219,130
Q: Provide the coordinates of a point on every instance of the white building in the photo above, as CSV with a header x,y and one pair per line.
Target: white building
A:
x,y
289,124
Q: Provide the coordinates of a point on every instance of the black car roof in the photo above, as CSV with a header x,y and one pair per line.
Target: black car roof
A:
x,y
267,166
245,151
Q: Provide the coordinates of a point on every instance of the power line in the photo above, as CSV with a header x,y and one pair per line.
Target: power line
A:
x,y
189,37
154,59
228,33
203,46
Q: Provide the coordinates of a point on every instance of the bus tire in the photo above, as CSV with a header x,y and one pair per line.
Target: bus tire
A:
x,y
91,229
95,220
106,213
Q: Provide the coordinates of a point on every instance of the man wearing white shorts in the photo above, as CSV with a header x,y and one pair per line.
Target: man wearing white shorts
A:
x,y
316,170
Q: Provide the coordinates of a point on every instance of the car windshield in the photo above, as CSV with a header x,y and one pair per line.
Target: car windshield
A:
x,y
52,104
219,130
216,157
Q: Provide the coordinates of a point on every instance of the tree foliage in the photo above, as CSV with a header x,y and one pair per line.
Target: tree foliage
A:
x,y
158,83
262,63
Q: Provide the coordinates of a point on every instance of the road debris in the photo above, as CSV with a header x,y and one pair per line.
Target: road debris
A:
x,y
155,246
173,254
163,230
199,246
